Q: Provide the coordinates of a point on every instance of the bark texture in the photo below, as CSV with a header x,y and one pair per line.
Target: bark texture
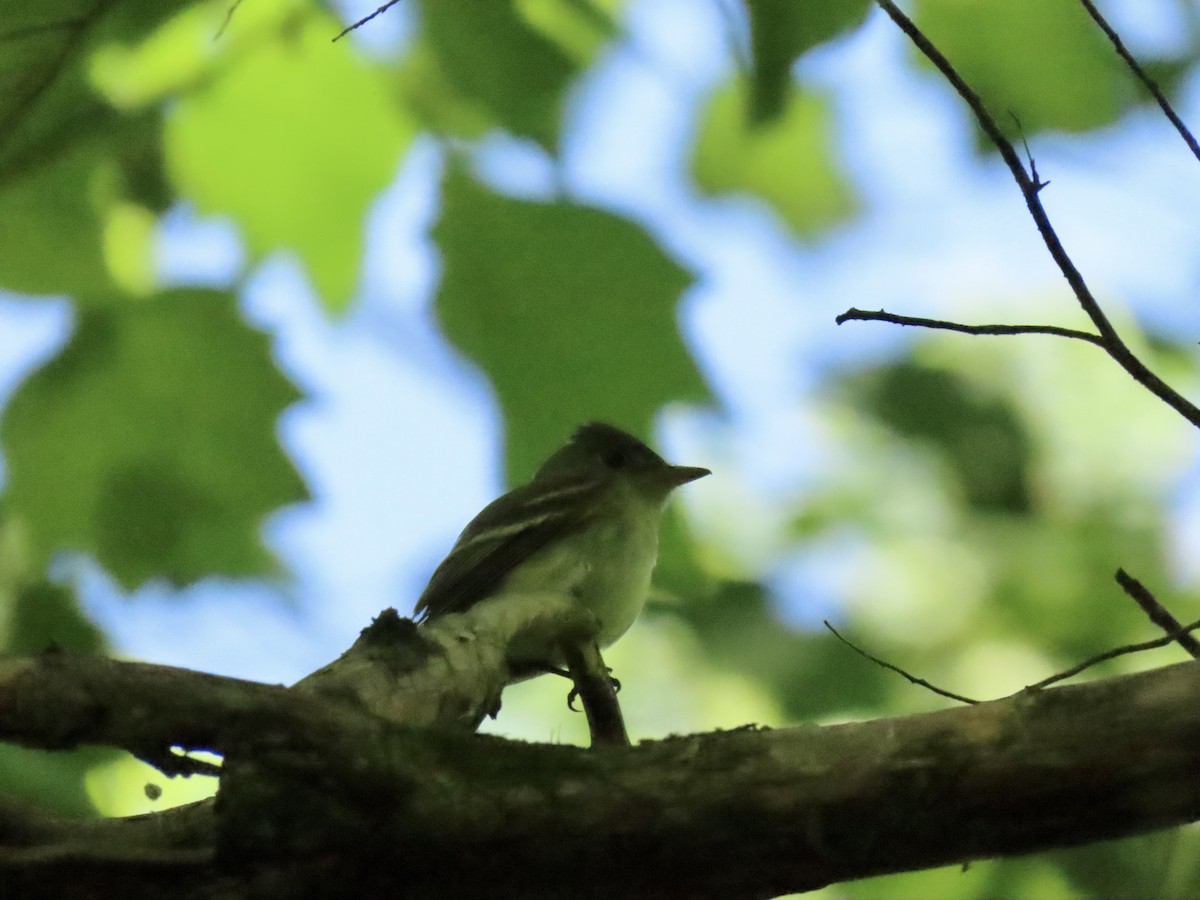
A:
x,y
324,791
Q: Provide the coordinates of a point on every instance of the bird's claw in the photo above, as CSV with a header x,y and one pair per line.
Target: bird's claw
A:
x,y
615,682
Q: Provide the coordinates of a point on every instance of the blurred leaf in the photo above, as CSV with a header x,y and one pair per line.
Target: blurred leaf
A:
x,y
50,227
46,100
1054,573
580,27
810,674
67,159
490,53
569,311
48,615
788,162
677,571
433,99
150,442
1046,63
52,782
1152,865
294,143
981,436
44,96
780,32
987,879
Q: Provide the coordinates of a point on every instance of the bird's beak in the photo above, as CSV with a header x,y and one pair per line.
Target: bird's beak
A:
x,y
677,475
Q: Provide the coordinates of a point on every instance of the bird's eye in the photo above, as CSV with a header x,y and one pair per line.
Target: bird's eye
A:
x,y
614,459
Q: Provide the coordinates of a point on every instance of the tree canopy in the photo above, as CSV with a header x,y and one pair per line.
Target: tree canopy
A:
x,y
284,270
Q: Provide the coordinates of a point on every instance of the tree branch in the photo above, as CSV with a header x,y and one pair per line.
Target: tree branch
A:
x,y
1123,650
912,679
342,800
359,23
1157,613
1030,188
860,315
1148,82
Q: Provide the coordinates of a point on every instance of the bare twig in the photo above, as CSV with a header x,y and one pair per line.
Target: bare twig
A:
x,y
1030,188
228,18
1038,183
354,26
861,315
1158,613
921,682
1113,654
1148,82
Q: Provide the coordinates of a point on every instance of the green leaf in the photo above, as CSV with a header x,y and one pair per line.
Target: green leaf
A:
x,y
77,222
51,229
571,312
980,436
69,163
580,27
294,143
810,674
48,615
782,30
491,54
52,782
150,442
43,84
47,102
789,162
1046,63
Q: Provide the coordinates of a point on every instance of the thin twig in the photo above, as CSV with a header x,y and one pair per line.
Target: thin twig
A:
x,y
861,315
1148,82
887,665
228,18
1038,183
1030,188
1158,613
1114,653
354,26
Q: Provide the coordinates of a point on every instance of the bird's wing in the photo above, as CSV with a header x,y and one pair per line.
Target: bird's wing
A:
x,y
505,534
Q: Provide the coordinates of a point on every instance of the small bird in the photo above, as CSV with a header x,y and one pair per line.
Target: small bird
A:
x,y
586,526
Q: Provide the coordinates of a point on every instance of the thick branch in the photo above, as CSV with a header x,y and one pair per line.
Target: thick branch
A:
x,y
358,803
449,673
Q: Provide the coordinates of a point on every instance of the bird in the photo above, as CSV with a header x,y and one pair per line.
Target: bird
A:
x,y
584,527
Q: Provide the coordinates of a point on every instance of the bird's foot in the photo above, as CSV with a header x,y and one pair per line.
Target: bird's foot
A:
x,y
616,684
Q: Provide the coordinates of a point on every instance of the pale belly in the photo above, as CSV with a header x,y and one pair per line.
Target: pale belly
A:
x,y
607,569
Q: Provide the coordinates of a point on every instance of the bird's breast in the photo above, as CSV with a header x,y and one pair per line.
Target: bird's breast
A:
x,y
618,580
